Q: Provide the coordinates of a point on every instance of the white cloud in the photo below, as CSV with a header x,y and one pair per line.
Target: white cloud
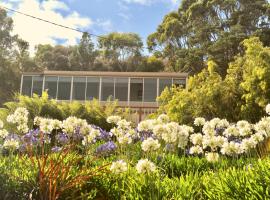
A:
x,y
105,25
38,32
172,3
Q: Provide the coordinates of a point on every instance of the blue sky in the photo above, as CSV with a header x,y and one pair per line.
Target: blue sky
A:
x,y
95,16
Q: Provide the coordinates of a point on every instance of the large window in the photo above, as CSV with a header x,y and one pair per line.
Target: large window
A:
x,y
150,89
107,88
179,82
136,89
37,85
27,85
64,88
92,89
79,86
121,89
51,86
163,83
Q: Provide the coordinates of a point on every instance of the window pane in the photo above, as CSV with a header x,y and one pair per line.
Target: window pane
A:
x,y
150,89
27,84
107,89
51,86
121,89
78,91
179,82
92,90
163,83
37,85
136,89
64,87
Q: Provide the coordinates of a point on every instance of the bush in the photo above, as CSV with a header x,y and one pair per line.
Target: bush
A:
x,y
92,111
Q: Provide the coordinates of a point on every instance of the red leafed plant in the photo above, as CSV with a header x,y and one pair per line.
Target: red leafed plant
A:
x,y
59,172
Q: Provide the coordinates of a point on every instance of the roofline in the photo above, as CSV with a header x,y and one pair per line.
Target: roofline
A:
x,y
109,74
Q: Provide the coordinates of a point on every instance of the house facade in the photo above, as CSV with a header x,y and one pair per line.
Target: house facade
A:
x,y
136,90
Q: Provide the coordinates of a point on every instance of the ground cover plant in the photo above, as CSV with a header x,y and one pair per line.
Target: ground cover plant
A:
x,y
157,159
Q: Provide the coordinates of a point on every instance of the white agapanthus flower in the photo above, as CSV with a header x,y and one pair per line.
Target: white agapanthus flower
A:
x,y
88,139
248,144
263,126
1,124
119,167
159,130
231,148
196,138
222,124
45,125
163,118
123,124
117,132
214,122
212,157
231,131
146,125
20,118
267,109
208,129
243,125
145,166
56,124
259,136
182,136
199,121
150,144
213,142
171,135
3,133
113,119
196,150
124,139
11,144
37,120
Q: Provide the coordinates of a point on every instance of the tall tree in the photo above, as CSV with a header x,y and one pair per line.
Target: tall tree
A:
x,y
118,48
203,29
9,72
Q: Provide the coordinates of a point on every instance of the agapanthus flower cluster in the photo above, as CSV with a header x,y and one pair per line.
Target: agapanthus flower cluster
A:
x,y
119,167
145,166
123,130
150,145
47,125
11,144
91,136
20,118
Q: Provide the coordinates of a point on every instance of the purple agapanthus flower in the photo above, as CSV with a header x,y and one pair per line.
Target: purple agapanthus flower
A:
x,y
106,148
56,149
62,138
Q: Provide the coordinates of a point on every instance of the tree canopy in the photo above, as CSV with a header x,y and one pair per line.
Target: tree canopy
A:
x,y
204,30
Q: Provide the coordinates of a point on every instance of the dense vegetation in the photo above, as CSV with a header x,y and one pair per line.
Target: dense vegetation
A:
x,y
242,94
51,159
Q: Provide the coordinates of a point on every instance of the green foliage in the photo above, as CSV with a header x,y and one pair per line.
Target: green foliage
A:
x,y
213,29
242,94
92,111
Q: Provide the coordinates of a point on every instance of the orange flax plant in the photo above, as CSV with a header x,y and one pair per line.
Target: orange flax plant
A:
x,y
61,171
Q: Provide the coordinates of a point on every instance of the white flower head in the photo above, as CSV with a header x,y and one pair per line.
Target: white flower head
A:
x,y
150,144
267,109
113,119
196,138
124,139
196,150
212,157
3,133
119,167
145,166
12,144
199,121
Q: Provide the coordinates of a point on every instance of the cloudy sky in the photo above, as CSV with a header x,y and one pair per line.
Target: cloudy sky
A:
x,y
95,16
